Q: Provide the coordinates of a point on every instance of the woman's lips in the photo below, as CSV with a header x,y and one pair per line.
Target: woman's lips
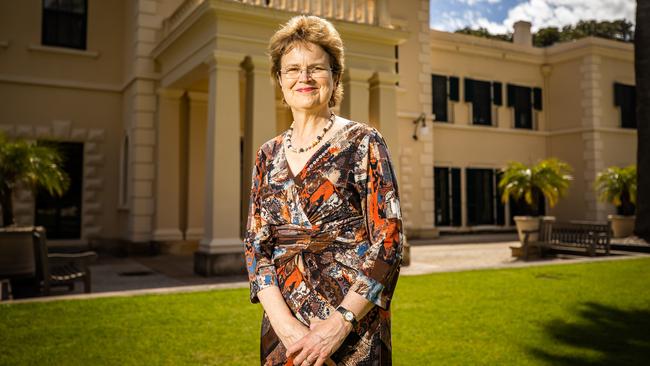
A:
x,y
305,90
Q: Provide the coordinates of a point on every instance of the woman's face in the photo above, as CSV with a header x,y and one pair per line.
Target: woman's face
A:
x,y
306,78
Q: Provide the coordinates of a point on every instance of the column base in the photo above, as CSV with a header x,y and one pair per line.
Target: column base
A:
x,y
219,264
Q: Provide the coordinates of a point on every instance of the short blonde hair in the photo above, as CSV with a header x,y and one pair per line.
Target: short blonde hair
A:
x,y
303,29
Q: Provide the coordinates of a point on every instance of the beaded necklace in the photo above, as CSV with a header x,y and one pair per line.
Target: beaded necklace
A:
x,y
316,141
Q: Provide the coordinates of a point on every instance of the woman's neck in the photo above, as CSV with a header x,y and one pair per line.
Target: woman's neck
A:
x,y
309,123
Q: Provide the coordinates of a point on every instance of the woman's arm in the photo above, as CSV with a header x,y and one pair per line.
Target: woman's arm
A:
x,y
286,326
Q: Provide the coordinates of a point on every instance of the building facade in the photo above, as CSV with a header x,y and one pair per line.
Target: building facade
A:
x,y
160,105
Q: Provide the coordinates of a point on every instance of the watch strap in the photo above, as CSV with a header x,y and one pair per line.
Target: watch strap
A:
x,y
347,315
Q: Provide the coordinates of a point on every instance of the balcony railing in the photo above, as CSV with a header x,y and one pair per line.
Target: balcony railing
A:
x,y
372,12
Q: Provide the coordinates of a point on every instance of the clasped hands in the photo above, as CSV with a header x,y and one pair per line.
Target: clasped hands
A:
x,y
314,345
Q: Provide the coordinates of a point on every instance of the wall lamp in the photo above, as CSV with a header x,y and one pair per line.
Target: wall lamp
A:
x,y
420,123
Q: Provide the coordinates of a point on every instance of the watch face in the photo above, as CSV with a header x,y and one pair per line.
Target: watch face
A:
x,y
349,317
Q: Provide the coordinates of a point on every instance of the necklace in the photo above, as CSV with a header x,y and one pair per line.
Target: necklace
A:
x,y
316,141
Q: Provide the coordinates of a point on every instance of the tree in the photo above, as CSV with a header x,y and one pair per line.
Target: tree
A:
x,y
618,187
550,177
620,30
31,165
642,75
483,32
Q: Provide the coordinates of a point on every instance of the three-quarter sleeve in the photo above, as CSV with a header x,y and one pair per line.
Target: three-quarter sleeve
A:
x,y
257,241
377,185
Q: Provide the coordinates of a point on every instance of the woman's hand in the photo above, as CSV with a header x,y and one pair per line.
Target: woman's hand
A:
x,y
291,332
323,339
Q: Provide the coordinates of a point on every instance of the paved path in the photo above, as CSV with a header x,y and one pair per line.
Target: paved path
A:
x,y
174,273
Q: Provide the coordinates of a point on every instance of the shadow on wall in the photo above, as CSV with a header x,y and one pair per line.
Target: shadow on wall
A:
x,y
602,335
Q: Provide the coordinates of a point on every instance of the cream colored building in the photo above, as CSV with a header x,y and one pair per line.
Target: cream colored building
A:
x,y
164,102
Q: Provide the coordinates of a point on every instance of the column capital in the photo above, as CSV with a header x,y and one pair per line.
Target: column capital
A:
x,y
546,69
197,96
353,74
170,93
224,60
260,61
384,78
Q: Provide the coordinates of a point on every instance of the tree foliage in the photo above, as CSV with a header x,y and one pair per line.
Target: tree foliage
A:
x,y
550,177
618,187
620,30
31,165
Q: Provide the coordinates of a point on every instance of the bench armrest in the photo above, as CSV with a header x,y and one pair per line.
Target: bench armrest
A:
x,y
527,234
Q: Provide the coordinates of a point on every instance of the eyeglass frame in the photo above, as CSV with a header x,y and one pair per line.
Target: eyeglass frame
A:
x,y
310,74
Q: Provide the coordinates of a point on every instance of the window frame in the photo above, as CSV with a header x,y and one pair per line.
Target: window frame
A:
x,y
53,40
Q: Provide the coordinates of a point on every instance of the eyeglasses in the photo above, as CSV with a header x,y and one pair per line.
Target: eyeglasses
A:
x,y
293,72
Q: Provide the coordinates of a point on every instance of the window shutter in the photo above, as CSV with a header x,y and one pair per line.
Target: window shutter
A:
x,y
497,93
453,89
537,98
439,94
511,95
618,94
469,90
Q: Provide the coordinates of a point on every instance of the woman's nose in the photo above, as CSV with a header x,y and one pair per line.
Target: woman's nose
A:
x,y
304,75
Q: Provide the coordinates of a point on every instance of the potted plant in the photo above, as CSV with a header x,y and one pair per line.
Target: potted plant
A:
x,y
30,165
549,178
618,187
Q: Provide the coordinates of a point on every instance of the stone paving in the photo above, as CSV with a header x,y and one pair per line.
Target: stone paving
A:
x,y
168,273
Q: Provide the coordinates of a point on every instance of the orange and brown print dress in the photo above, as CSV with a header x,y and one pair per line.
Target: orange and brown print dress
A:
x,y
334,227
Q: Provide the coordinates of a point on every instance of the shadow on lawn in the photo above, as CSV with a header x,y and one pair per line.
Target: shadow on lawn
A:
x,y
622,337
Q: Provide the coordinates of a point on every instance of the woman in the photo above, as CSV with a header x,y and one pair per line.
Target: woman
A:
x,y
324,234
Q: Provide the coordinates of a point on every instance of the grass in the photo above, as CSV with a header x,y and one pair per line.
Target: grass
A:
x,y
592,313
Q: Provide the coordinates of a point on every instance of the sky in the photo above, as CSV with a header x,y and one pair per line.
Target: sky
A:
x,y
498,16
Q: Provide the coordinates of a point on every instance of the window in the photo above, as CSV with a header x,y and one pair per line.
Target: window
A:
x,y
61,216
482,94
447,196
524,99
480,197
443,89
64,23
625,99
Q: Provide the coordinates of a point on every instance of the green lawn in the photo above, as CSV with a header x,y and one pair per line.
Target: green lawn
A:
x,y
592,313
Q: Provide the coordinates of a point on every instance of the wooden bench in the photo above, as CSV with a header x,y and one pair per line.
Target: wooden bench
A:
x,y
593,238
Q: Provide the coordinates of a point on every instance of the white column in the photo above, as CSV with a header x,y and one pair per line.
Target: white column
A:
x,y
383,110
222,195
198,112
167,224
260,119
355,104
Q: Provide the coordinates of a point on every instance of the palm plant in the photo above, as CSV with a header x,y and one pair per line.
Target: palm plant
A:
x,y
30,165
549,177
618,187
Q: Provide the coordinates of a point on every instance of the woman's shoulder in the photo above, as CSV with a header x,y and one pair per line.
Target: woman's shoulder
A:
x,y
361,131
270,147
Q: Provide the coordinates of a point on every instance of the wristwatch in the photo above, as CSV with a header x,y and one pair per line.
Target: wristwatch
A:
x,y
347,315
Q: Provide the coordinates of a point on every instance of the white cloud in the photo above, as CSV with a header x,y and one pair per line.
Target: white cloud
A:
x,y
474,2
545,13
541,13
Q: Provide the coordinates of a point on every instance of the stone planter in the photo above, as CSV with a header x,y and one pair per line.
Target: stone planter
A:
x,y
622,226
525,223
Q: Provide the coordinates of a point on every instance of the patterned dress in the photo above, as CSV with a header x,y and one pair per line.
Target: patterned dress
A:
x,y
333,228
